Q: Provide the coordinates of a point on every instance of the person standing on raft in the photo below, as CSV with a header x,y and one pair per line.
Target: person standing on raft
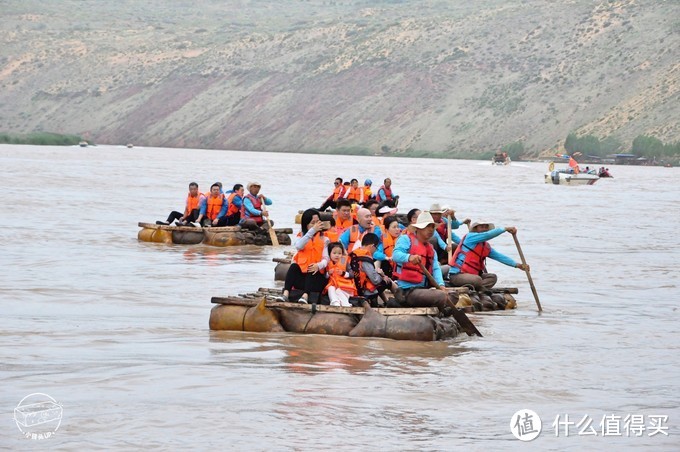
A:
x,y
468,263
253,210
191,208
411,250
311,257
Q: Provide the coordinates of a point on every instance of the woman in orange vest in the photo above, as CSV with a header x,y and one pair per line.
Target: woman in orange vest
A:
x,y
392,233
340,277
305,273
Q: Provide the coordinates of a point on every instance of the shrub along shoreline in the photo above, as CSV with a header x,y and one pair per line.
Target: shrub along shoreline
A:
x,y
40,138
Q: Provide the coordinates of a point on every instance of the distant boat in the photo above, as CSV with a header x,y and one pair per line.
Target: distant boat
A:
x,y
500,158
129,145
569,177
83,144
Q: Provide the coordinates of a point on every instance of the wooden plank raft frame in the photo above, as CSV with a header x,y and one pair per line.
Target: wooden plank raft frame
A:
x,y
273,304
210,229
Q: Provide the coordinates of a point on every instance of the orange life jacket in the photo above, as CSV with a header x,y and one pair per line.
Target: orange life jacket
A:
x,y
192,203
388,244
332,234
338,192
232,207
474,260
378,221
355,237
387,191
337,277
341,224
257,204
362,282
368,194
355,194
214,206
311,253
412,273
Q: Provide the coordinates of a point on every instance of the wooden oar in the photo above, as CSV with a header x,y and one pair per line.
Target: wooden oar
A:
x,y
272,232
459,315
531,281
448,238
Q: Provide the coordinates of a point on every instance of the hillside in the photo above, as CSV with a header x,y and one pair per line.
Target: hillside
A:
x,y
398,77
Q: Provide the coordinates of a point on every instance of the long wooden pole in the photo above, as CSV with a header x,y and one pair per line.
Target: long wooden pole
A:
x,y
459,315
272,232
531,281
448,238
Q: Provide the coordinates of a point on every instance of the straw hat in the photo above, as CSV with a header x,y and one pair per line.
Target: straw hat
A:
x,y
253,184
436,208
424,220
478,223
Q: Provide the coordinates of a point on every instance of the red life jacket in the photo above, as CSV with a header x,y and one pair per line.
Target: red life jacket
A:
x,y
442,230
311,253
412,273
362,282
192,203
388,192
232,207
474,260
337,278
257,204
214,206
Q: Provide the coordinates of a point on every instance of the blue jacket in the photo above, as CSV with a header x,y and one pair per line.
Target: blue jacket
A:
x,y
400,256
473,239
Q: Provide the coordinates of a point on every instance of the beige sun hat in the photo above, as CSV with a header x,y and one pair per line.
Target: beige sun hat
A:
x,y
251,184
477,223
436,208
424,220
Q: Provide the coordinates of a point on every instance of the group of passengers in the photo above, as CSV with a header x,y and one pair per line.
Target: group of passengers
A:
x,y
359,251
218,208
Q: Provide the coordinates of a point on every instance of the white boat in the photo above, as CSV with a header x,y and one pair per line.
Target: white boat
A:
x,y
563,177
500,159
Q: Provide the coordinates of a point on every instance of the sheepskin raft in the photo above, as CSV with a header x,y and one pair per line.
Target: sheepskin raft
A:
x,y
259,312
224,236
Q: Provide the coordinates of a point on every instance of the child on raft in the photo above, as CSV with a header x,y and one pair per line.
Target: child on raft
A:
x,y
340,277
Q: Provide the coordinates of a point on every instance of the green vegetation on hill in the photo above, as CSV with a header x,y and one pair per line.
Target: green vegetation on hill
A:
x,y
40,138
643,145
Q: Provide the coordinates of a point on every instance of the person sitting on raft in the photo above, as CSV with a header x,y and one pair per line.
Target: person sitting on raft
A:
x,y
468,263
355,194
370,282
385,195
412,218
372,206
367,192
311,257
253,210
341,284
392,233
440,216
352,238
411,250
213,208
343,215
235,203
191,208
338,192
